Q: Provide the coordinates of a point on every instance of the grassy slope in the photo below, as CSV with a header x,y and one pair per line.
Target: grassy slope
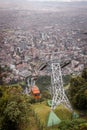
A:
x,y
41,112
63,113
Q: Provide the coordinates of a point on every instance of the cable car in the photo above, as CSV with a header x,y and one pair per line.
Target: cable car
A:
x,y
35,92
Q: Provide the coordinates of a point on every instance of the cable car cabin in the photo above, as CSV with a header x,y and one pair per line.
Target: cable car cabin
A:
x,y
35,92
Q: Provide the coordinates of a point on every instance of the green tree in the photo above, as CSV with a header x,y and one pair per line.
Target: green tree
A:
x,y
84,74
75,84
78,91
80,99
15,109
76,124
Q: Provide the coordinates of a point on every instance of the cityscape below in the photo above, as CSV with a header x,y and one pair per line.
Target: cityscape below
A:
x,y
29,30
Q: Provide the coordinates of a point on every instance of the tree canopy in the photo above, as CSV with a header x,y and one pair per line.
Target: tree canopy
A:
x,y
14,107
78,90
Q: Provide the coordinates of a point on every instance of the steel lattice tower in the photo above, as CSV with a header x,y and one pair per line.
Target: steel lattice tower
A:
x,y
58,93
54,60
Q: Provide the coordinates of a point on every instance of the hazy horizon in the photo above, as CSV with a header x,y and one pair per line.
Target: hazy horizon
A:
x,y
44,0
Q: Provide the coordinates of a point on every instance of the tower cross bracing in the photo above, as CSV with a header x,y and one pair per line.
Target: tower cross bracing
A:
x,y
58,93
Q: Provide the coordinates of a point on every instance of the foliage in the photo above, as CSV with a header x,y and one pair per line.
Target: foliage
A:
x,y
32,100
84,74
81,98
43,82
14,107
45,95
78,91
76,124
76,84
66,79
